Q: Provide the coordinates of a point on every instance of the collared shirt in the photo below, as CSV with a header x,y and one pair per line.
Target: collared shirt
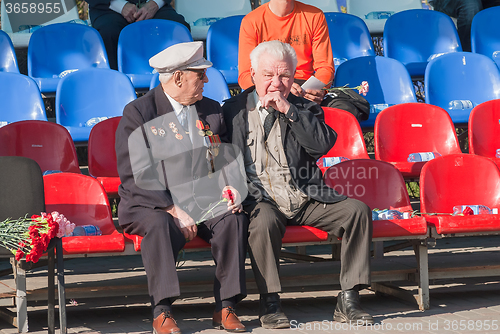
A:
x,y
258,106
178,108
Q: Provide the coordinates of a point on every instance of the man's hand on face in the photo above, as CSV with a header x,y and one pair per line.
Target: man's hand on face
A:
x,y
128,12
147,11
315,95
275,100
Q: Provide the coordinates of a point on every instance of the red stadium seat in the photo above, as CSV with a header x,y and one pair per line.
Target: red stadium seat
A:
x,y
484,130
82,200
460,179
413,128
102,155
350,142
49,144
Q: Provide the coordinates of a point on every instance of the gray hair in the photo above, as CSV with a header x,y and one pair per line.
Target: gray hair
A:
x,y
165,77
276,49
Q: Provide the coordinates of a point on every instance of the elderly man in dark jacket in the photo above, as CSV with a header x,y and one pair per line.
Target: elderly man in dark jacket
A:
x,y
174,170
286,186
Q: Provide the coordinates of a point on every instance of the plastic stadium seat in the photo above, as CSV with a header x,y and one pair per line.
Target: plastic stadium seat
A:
x,y
388,80
460,179
8,60
484,39
375,13
415,36
462,78
29,23
15,107
102,155
61,47
349,37
380,186
484,130
82,200
85,97
350,142
413,128
49,144
216,88
201,14
222,47
142,40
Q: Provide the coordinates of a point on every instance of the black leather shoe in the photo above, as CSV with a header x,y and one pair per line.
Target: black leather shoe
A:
x,y
270,313
349,310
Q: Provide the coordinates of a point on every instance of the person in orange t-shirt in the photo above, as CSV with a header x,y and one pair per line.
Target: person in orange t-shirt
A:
x,y
300,25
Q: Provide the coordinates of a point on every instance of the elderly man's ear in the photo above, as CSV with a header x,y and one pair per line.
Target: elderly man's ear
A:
x,y
178,78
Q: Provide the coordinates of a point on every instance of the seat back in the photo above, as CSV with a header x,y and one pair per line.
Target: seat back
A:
x,y
85,95
80,198
142,40
222,46
216,87
376,183
325,5
350,142
201,14
349,37
47,143
459,179
375,13
411,128
15,107
484,129
461,76
21,188
416,36
60,47
101,149
484,39
8,60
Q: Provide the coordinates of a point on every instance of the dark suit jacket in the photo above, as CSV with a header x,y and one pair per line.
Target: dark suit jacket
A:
x,y
99,7
146,123
304,140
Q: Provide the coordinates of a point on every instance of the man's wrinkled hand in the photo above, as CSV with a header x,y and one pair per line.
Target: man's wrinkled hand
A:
x,y
129,11
234,205
183,221
297,90
148,11
315,95
275,100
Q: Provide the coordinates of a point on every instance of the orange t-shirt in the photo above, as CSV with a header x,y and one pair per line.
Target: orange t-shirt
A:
x,y
305,29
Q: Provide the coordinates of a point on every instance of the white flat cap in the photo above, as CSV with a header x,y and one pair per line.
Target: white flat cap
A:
x,y
178,57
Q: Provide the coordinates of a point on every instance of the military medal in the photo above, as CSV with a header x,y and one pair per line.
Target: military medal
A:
x,y
178,136
161,132
153,130
201,128
174,129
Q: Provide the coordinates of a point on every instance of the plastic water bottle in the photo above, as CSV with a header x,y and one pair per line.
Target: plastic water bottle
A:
x,y
476,209
86,230
52,171
374,215
387,214
424,156
330,161
497,153
206,21
460,105
376,108
378,15
94,120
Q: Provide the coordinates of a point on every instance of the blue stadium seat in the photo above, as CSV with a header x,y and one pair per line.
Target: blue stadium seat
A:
x,y
459,81
142,40
484,38
349,37
56,49
416,36
388,80
201,14
86,97
216,88
8,60
21,99
222,47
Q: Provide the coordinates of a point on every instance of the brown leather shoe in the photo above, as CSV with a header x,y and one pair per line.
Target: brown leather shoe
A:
x,y
227,319
165,324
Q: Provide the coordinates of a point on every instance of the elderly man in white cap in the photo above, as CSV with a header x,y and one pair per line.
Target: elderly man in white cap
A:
x,y
178,182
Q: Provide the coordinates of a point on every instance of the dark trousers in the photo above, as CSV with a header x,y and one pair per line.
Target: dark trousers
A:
x,y
110,23
349,219
163,241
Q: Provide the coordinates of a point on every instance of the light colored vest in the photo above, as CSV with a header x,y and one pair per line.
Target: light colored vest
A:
x,y
267,168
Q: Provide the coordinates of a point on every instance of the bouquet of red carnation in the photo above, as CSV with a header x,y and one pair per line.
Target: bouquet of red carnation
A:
x,y
30,237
